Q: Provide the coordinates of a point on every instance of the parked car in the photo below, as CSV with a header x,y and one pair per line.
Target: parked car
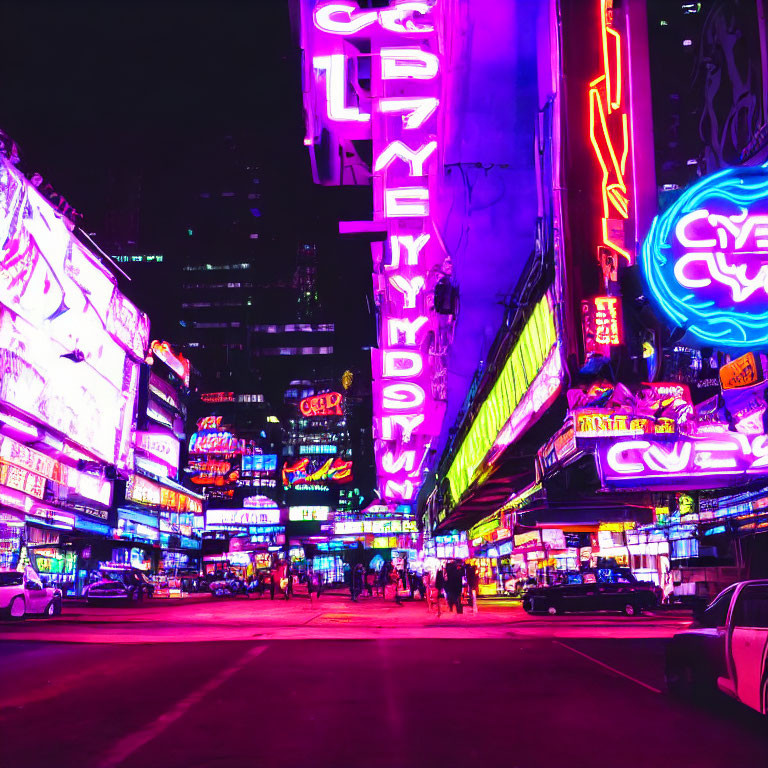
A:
x,y
119,584
22,593
598,590
726,648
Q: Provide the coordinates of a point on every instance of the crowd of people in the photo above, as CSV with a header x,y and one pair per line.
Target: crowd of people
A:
x,y
449,581
452,583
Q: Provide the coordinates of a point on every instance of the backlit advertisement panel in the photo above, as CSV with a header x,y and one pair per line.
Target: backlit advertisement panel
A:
x,y
242,517
160,445
65,328
72,398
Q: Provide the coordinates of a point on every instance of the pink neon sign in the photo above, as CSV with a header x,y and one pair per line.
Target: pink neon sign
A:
x,y
399,114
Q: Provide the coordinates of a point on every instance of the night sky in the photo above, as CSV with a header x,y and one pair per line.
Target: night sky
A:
x,y
94,91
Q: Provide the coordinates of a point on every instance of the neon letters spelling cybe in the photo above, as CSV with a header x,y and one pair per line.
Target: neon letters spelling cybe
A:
x,y
326,404
399,113
706,259
609,134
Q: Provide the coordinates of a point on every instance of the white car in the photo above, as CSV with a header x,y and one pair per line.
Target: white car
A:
x,y
727,647
22,593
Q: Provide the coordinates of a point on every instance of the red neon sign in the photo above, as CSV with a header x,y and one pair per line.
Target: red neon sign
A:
x,y
601,324
326,404
609,134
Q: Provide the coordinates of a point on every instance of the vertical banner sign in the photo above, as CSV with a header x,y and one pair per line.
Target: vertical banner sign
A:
x,y
390,96
609,133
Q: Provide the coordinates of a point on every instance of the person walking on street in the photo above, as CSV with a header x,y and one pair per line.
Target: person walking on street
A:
x,y
453,584
356,581
384,579
473,582
394,580
439,587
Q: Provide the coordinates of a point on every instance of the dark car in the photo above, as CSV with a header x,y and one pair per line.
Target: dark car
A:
x,y
598,590
119,585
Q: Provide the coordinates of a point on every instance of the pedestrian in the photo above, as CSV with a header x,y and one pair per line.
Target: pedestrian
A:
x,y
439,586
384,579
370,581
394,580
453,584
473,582
357,581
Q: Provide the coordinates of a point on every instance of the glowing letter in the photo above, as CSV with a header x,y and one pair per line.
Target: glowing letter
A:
x,y
324,18
410,288
407,328
416,111
393,490
401,364
682,225
394,19
336,88
404,461
415,159
406,201
412,246
616,460
403,397
404,63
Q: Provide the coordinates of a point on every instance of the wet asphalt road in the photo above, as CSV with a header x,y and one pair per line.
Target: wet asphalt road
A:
x,y
583,700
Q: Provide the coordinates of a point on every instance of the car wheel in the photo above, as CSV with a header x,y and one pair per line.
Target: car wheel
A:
x,y
17,609
528,605
139,595
553,610
630,609
51,610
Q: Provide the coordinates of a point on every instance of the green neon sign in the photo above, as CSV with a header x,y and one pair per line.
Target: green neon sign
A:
x,y
523,365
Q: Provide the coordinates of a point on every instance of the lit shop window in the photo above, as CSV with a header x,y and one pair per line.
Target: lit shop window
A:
x,y
214,267
297,351
295,328
250,398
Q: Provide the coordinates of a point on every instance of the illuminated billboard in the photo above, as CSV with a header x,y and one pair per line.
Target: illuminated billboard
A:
x,y
70,342
326,404
306,472
243,517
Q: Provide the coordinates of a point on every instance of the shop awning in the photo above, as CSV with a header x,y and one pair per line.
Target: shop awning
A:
x,y
586,512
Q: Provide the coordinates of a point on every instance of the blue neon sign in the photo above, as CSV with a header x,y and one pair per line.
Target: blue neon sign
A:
x,y
705,259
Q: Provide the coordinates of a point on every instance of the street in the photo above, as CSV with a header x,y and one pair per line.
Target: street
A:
x,y
359,684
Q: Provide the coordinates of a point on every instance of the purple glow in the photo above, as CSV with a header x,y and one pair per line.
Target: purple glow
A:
x,y
399,115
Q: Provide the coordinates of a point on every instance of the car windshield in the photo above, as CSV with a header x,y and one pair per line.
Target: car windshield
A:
x,y
119,576
11,579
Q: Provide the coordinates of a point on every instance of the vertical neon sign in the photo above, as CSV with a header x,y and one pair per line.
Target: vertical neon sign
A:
x,y
399,114
610,135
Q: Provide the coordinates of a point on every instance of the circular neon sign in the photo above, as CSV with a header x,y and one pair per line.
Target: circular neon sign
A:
x,y
705,259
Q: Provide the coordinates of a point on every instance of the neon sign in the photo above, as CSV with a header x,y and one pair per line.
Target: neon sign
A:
x,y
701,462
595,423
243,517
399,114
326,404
301,473
742,372
304,514
160,446
176,362
706,258
609,135
601,320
